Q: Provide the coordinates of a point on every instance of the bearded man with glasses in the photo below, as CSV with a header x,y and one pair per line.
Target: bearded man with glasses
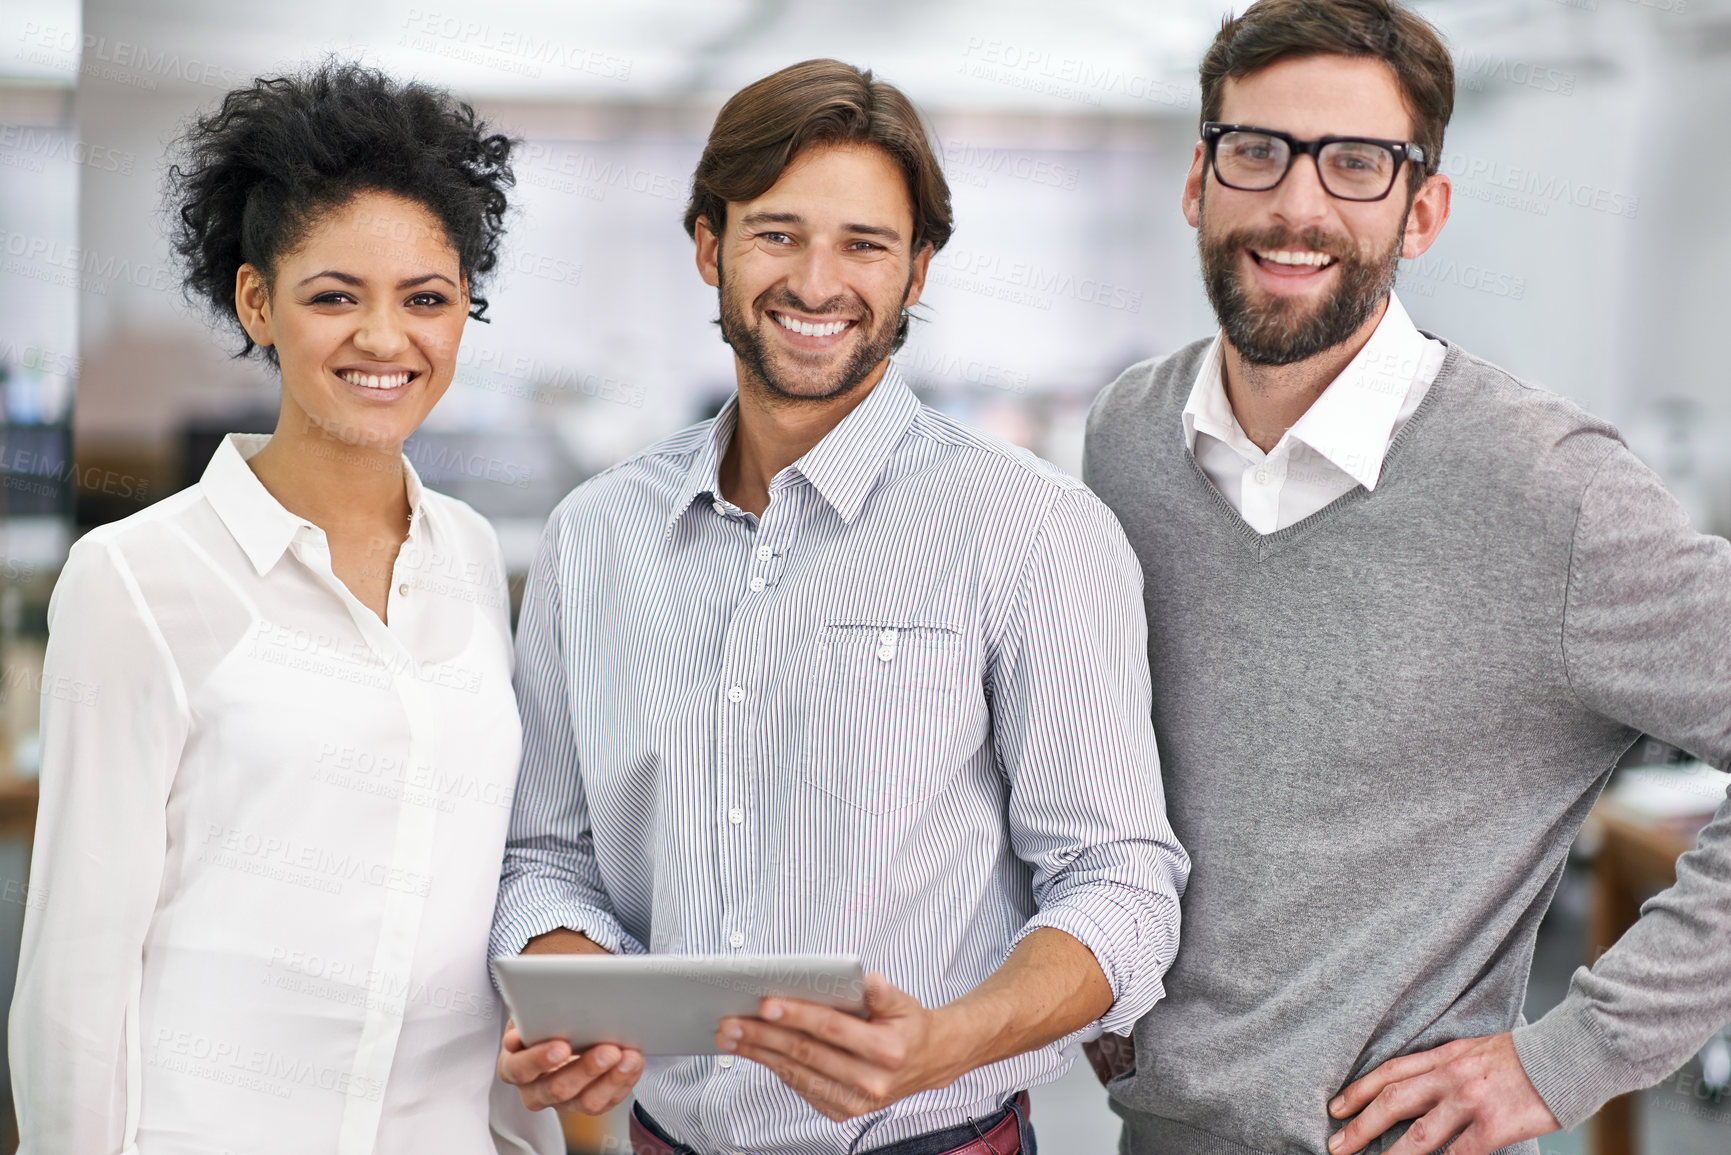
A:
x,y
1405,614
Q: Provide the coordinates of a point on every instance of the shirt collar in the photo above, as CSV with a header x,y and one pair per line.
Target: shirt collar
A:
x,y
257,521
1207,410
847,463
843,467
703,476
1351,422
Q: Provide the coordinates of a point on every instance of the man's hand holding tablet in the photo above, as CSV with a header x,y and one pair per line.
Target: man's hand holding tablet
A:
x,y
583,1020
548,1074
843,1065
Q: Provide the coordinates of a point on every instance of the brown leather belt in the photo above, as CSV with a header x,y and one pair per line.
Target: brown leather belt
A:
x,y
1002,1137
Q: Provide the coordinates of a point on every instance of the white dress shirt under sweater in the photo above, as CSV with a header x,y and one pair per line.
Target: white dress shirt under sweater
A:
x,y
1338,444
269,840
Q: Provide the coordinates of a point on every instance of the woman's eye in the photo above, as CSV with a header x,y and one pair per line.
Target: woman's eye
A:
x,y
427,300
332,298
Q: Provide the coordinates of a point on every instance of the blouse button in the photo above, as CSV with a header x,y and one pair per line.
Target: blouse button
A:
x,y
403,590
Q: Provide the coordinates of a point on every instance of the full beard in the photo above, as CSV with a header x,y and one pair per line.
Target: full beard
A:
x,y
784,377
1282,330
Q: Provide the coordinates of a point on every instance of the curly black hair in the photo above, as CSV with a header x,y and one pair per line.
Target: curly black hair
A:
x,y
249,180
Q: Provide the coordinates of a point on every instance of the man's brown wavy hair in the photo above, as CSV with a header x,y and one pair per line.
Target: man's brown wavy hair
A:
x,y
768,123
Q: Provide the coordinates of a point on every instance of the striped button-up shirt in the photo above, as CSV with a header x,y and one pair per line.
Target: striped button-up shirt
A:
x,y
903,714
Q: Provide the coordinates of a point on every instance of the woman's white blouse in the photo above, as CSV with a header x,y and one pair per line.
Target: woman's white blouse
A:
x,y
269,840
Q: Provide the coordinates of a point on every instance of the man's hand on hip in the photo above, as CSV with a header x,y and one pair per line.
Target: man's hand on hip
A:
x,y
1475,1089
846,1066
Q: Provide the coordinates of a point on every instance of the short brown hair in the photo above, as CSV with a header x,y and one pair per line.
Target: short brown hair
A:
x,y
768,123
1270,31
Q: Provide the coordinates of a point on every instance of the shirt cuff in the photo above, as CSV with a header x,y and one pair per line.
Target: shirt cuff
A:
x,y
1570,1063
512,933
1132,958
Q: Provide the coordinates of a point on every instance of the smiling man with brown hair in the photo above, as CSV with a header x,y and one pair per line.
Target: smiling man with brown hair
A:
x,y
831,673
1405,614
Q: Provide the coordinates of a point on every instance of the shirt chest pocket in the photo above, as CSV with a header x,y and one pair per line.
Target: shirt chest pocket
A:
x,y
885,713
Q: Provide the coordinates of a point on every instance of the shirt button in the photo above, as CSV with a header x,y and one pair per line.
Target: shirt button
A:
x,y
736,940
1261,476
718,507
403,590
886,654
735,694
757,585
726,1062
888,637
736,816
764,553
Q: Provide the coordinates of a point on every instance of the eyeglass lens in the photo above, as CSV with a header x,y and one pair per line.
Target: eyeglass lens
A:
x,y
1350,169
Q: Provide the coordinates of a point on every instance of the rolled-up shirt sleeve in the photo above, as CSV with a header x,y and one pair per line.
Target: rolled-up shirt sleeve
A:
x,y
114,723
550,878
1071,720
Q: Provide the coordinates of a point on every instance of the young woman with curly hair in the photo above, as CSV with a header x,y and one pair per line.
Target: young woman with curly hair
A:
x,y
274,810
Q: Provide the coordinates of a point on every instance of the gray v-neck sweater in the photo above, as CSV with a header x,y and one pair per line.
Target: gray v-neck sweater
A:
x,y
1380,729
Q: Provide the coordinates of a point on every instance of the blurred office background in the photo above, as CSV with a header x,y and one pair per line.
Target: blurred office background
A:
x,y
1590,153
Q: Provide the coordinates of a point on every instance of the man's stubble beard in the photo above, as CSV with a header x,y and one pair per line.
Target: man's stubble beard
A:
x,y
877,343
1281,330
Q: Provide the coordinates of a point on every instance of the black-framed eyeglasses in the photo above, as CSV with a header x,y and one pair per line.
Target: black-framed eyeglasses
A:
x,y
1352,168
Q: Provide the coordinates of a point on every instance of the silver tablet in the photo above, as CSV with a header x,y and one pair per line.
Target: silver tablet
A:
x,y
663,1004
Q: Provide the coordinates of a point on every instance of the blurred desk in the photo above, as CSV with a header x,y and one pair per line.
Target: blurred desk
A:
x,y
595,1134
17,821
1637,858
17,807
